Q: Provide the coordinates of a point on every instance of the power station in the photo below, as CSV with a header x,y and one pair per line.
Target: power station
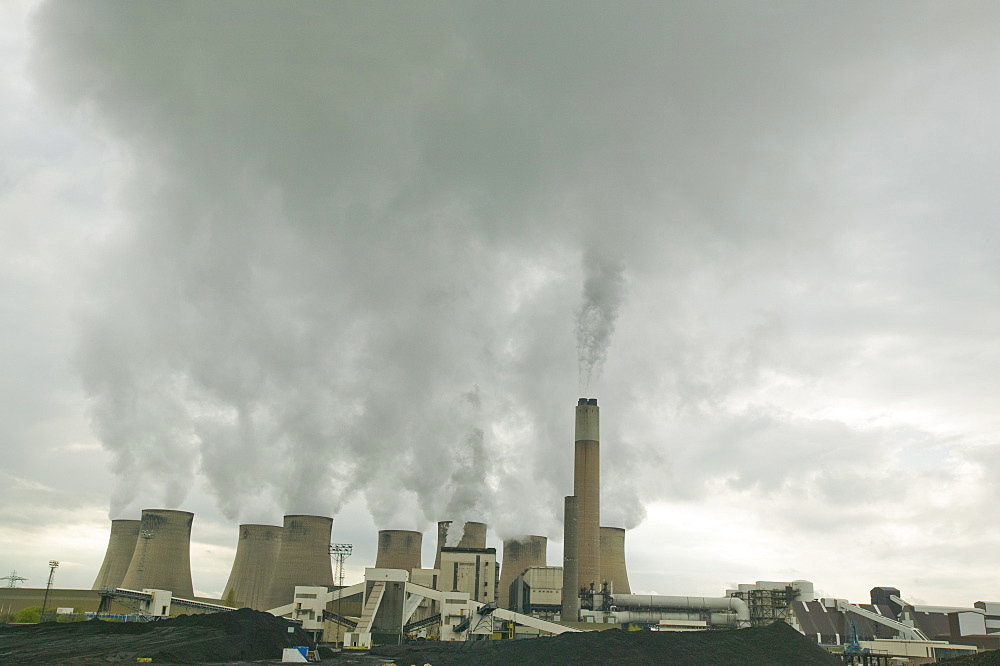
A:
x,y
470,593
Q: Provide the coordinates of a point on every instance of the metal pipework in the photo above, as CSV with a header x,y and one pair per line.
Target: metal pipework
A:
x,y
645,601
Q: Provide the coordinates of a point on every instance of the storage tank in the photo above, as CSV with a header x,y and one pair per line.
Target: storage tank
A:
x,y
518,555
162,556
253,566
613,559
121,547
303,558
398,549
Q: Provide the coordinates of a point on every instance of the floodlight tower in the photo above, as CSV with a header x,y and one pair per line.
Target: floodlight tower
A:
x,y
53,565
340,552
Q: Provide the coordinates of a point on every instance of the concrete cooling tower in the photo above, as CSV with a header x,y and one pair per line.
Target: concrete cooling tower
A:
x,y
473,536
162,557
256,556
587,489
303,558
518,555
121,547
398,549
613,559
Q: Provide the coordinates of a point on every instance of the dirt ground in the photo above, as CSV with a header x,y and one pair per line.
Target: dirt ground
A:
x,y
990,658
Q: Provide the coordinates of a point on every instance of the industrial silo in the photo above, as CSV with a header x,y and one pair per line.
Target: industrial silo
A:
x,y
398,549
303,558
613,559
121,547
162,557
518,555
256,556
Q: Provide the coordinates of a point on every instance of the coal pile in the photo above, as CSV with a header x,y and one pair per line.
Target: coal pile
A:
x,y
990,658
243,635
774,645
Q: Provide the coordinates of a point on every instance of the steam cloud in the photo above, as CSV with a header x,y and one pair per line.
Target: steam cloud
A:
x,y
603,292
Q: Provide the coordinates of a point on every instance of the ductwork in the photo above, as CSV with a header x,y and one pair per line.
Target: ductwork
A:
x,y
398,549
121,547
638,602
253,566
162,556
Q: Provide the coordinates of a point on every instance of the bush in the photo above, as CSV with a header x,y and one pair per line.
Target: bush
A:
x,y
29,614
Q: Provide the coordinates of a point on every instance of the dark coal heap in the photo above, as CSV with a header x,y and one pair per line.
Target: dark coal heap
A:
x,y
774,645
243,635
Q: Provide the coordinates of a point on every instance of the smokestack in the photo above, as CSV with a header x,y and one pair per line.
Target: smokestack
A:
x,y
571,569
256,555
121,547
613,559
162,556
398,549
303,558
473,536
587,489
518,555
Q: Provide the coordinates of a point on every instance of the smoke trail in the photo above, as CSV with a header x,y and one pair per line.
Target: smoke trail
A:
x,y
603,293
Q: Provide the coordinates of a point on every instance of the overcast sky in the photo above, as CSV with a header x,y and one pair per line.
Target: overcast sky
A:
x,y
361,259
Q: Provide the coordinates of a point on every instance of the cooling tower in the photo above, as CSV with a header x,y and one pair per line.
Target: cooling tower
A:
x,y
571,569
587,489
398,549
518,555
256,555
613,559
303,558
121,547
162,557
473,536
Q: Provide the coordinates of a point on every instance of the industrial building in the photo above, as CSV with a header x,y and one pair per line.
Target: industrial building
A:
x,y
470,593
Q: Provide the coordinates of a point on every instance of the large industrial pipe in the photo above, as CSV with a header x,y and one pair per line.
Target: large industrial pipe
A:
x,y
645,601
121,547
518,555
253,566
398,549
571,569
162,557
587,489
715,619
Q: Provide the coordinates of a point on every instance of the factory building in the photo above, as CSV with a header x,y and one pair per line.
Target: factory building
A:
x,y
537,591
470,570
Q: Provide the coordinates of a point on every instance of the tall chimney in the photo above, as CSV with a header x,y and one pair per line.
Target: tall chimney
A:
x,y
121,547
613,559
587,489
303,558
473,536
398,549
162,557
518,555
571,569
256,555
